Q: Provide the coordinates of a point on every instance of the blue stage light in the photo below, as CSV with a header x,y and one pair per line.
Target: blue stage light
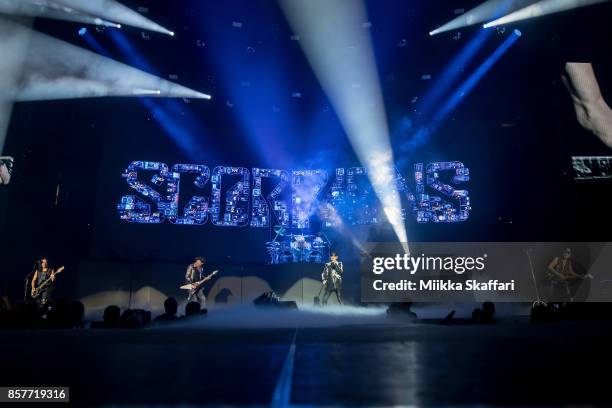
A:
x,y
182,133
466,87
82,31
95,45
424,132
452,72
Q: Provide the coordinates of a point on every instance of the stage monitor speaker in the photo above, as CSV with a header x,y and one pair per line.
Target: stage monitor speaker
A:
x,y
271,299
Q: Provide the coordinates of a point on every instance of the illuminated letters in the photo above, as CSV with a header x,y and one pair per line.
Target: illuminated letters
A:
x,y
349,196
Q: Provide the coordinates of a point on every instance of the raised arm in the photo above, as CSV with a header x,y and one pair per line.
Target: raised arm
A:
x,y
592,111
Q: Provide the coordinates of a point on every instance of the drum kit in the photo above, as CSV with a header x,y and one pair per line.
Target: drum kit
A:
x,y
287,247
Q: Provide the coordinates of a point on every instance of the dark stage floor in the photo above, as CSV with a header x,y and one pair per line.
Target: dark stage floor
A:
x,y
509,363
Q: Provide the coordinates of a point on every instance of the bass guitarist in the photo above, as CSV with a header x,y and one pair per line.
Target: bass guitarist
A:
x,y
43,281
564,281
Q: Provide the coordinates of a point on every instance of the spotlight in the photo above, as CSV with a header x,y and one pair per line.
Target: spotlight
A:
x,y
52,9
82,31
172,33
517,32
15,40
541,8
113,11
139,91
54,69
325,27
488,10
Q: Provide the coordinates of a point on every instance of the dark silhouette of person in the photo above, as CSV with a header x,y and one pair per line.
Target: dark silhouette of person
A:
x,y
484,315
223,295
112,314
170,307
31,316
192,309
488,313
134,319
59,315
77,313
477,315
401,310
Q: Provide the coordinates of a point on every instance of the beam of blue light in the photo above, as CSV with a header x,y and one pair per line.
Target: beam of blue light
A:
x,y
182,136
277,108
95,44
452,71
166,117
130,52
258,89
469,84
422,135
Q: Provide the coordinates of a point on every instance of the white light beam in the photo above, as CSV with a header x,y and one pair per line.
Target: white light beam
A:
x,y
15,39
485,12
50,9
114,11
54,69
340,52
542,8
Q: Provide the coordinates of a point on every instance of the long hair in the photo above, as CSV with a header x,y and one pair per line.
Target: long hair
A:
x,y
38,264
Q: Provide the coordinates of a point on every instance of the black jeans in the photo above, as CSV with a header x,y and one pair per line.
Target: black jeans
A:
x,y
197,296
328,293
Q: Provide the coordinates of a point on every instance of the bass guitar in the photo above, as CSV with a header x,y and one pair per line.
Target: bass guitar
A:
x,y
37,291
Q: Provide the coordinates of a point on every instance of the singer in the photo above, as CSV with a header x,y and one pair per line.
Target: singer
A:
x,y
332,278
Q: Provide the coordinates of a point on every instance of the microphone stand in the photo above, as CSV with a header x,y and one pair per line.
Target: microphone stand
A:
x,y
27,281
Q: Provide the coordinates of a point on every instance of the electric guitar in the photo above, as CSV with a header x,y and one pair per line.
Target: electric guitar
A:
x,y
197,285
555,275
37,291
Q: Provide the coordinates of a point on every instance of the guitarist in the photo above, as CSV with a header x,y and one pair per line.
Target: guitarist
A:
x,y
195,273
43,273
563,278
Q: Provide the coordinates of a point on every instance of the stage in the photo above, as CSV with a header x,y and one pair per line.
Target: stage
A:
x,y
145,284
306,203
364,363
